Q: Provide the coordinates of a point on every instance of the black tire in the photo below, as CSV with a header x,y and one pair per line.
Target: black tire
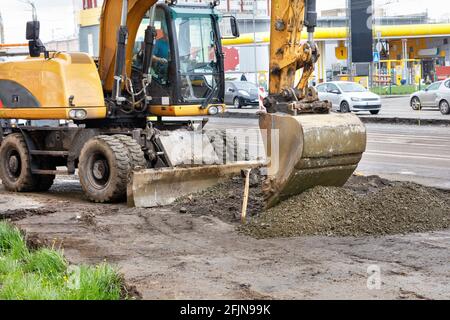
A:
x,y
374,112
345,107
444,107
15,167
103,169
416,104
135,153
237,103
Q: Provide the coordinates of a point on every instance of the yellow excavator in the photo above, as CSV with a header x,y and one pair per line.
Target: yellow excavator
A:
x,y
160,60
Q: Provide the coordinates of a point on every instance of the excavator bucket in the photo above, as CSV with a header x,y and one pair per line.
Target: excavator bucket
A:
x,y
309,150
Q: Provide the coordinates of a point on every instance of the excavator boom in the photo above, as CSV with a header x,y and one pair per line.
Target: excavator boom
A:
x,y
314,147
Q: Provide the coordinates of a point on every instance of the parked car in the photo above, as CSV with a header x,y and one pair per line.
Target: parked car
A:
x,y
443,97
349,96
426,97
241,93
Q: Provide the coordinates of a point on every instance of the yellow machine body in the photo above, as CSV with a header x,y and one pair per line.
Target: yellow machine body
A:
x,y
184,110
39,88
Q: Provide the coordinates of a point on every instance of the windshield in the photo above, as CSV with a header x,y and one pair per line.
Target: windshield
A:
x,y
352,87
243,85
198,56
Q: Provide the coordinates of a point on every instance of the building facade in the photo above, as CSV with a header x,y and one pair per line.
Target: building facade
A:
x,y
252,58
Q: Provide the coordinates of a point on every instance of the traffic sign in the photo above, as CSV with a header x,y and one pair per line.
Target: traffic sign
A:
x,y
341,53
376,57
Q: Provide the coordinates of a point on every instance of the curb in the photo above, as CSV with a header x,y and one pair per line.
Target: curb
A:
x,y
372,119
395,96
407,121
238,115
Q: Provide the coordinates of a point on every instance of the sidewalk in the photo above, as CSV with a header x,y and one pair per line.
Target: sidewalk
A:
x,y
388,117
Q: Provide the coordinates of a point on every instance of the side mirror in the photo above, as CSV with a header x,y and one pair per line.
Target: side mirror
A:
x,y
33,30
334,91
229,27
35,46
234,27
230,90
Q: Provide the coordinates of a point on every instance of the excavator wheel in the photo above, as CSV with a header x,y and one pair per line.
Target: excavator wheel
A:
x,y
103,169
15,166
137,157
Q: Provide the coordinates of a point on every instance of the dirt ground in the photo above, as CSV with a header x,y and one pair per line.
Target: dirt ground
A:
x,y
168,254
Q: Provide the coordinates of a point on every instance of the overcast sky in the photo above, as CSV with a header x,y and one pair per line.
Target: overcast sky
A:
x,y
56,16
58,21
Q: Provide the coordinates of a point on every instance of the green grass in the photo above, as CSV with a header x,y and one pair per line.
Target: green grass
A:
x,y
395,90
44,274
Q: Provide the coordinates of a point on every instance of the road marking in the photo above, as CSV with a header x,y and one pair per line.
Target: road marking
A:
x,y
411,145
410,135
406,155
407,173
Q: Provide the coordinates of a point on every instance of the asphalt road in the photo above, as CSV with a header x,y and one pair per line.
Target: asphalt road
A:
x,y
395,107
399,107
411,153
399,152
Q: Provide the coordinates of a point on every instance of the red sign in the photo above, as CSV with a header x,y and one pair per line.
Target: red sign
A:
x,y
442,73
1,104
231,58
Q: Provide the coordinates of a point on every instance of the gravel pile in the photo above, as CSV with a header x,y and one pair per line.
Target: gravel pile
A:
x,y
225,200
398,208
364,206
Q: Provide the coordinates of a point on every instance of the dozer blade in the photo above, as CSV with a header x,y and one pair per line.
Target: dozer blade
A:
x,y
158,187
194,166
309,150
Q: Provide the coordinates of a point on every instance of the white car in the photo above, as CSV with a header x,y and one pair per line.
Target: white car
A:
x,y
443,97
349,96
426,97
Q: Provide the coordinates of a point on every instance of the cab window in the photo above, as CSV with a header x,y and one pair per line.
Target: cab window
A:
x,y
159,69
198,56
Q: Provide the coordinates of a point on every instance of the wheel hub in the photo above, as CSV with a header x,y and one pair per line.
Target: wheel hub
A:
x,y
100,169
13,164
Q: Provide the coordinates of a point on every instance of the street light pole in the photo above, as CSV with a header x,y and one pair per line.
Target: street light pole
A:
x,y
2,30
349,42
255,7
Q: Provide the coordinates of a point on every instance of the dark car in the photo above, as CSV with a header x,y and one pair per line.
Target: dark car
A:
x,y
241,93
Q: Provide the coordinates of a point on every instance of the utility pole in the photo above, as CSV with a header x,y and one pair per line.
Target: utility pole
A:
x,y
255,8
349,41
2,30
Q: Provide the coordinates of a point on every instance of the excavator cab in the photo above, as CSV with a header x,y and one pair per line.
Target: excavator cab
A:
x,y
179,48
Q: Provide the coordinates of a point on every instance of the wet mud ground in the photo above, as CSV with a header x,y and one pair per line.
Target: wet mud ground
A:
x,y
189,251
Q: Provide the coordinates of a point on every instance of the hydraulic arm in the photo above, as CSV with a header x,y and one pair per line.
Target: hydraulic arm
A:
x,y
306,144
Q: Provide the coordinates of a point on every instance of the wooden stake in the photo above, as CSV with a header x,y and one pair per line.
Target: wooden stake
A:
x,y
246,192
